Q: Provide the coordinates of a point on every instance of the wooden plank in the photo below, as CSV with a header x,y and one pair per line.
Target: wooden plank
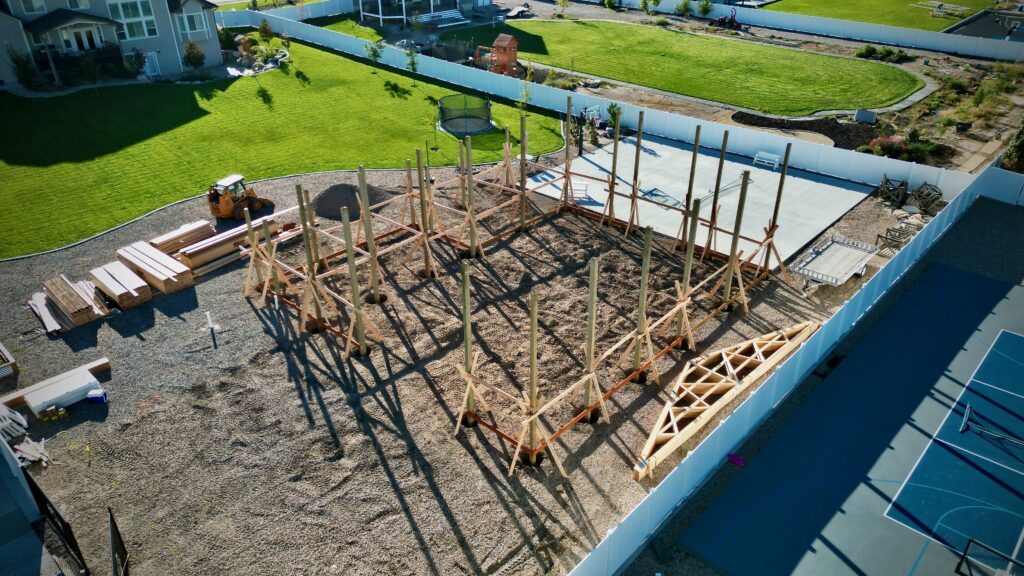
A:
x,y
182,236
70,389
125,277
38,305
159,257
18,396
63,294
109,285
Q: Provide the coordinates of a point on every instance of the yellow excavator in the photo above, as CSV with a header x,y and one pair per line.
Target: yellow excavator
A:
x,y
229,197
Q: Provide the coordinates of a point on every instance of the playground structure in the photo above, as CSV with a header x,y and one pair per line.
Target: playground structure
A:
x,y
502,57
339,274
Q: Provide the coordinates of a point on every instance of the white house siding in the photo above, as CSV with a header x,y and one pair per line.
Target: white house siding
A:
x,y
11,36
206,40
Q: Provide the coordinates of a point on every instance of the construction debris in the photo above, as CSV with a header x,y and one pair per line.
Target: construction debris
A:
x,y
60,391
76,302
121,285
709,383
12,424
185,235
895,193
160,270
8,367
893,239
29,451
928,198
221,245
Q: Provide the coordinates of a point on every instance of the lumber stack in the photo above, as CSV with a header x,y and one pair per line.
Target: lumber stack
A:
x,y
159,270
183,236
222,246
76,301
60,391
121,285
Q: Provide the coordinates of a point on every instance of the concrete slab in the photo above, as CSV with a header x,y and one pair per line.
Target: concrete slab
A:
x,y
810,202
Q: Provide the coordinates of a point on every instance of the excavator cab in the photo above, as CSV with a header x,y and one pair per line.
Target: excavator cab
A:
x,y
229,197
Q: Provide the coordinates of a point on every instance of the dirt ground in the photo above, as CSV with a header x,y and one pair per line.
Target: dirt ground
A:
x,y
271,454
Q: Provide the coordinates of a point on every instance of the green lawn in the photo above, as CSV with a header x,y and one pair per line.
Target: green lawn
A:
x,y
901,13
346,24
75,165
261,3
756,76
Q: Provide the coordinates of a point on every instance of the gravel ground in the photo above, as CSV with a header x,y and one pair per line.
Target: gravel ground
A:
x,y
270,454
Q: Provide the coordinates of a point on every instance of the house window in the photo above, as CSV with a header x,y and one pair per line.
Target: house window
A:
x,y
137,18
33,6
78,4
190,24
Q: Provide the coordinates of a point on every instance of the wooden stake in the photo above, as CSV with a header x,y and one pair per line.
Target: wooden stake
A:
x,y
641,310
691,241
408,191
462,172
428,262
778,203
567,185
311,217
534,436
253,244
591,329
634,216
371,244
307,245
689,188
727,285
467,337
522,171
474,248
273,269
353,280
612,177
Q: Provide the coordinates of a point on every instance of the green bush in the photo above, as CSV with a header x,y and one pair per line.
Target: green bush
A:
x,y
661,22
194,56
899,57
1014,157
266,32
956,85
683,8
886,53
868,51
24,68
704,8
226,39
609,4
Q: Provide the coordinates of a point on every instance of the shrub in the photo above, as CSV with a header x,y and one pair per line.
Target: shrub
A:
x,y
899,57
412,63
645,7
226,39
609,4
24,68
1014,157
683,8
89,70
868,51
563,4
374,50
956,85
613,113
254,5
266,32
194,57
886,53
704,8
1011,72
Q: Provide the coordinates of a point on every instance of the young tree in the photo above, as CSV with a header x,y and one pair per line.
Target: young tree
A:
x,y
613,112
524,94
266,32
705,8
374,51
254,5
563,4
413,62
645,7
194,56
683,8
609,4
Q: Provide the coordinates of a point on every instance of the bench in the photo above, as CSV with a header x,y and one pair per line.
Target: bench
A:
x,y
767,159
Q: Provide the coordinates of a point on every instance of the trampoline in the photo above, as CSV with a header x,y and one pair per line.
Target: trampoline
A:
x,y
462,115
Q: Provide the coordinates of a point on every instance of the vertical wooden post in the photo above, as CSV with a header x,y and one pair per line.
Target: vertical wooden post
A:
x,y
611,179
371,244
721,165
641,310
311,217
727,287
691,241
591,328
534,436
462,172
428,263
408,190
353,280
474,250
273,269
307,245
522,171
253,244
693,174
634,217
778,203
467,337
567,185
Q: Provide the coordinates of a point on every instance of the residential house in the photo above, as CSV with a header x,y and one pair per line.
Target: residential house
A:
x,y
435,13
58,33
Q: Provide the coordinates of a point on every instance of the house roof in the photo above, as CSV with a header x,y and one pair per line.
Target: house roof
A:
x,y
63,17
175,5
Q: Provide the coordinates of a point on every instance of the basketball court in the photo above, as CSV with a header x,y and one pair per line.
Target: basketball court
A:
x,y
912,448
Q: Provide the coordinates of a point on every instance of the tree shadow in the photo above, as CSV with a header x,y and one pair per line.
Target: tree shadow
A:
x,y
266,97
302,77
396,90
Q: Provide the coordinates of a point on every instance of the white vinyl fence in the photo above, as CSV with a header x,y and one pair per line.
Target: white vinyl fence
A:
x,y
852,166
625,541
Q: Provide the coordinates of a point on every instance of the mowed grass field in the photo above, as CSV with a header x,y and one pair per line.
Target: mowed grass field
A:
x,y
346,24
900,13
75,165
755,76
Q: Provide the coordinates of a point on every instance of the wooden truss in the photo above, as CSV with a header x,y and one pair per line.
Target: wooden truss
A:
x,y
709,383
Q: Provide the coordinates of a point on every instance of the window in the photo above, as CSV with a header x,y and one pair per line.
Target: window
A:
x,y
78,4
189,24
33,6
137,18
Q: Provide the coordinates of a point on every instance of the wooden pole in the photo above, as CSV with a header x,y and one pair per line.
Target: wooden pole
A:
x,y
727,285
353,280
778,202
273,269
615,163
693,174
307,245
534,436
522,171
567,185
634,218
591,328
408,190
311,217
721,166
253,243
428,263
462,172
371,244
641,310
467,337
691,241
474,249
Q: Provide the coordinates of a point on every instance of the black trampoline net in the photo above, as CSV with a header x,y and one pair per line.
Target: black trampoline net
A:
x,y
464,115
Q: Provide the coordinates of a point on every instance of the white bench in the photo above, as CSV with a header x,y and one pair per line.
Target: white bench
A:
x,y
767,159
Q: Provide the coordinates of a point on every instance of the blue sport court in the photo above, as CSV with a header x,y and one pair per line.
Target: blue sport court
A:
x,y
911,447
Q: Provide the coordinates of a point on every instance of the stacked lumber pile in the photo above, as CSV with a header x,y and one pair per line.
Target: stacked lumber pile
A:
x,y
222,248
60,391
183,236
160,270
121,285
71,303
